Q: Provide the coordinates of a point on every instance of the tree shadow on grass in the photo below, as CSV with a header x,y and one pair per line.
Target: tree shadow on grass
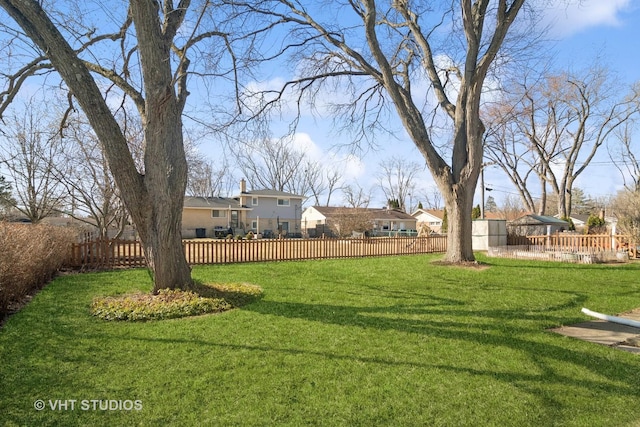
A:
x,y
438,318
493,328
590,373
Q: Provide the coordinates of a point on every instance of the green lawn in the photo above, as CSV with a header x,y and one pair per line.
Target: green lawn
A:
x,y
361,342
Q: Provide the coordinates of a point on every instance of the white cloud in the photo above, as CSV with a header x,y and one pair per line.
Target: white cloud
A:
x,y
351,166
567,19
303,143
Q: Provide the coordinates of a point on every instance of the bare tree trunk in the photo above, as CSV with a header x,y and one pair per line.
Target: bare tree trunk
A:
x,y
155,198
542,205
165,181
459,247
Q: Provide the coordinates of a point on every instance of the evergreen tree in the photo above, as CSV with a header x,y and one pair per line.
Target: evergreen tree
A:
x,y
490,205
476,212
596,225
6,200
445,223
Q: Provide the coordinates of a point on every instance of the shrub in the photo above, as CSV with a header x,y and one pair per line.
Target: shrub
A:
x,y
170,304
31,256
572,226
596,225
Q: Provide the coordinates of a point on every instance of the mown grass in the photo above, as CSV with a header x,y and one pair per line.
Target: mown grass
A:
x,y
361,342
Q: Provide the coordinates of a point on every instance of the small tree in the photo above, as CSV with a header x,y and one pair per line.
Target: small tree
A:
x,y
627,211
476,212
30,153
84,172
397,178
349,220
490,205
445,223
356,196
6,200
596,225
277,164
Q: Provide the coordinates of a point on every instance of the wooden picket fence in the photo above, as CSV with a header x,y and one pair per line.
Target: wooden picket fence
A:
x,y
106,253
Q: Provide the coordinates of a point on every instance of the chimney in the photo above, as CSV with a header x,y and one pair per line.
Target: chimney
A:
x,y
243,186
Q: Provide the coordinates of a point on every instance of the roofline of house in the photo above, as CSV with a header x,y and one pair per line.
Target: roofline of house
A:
x,y
219,208
274,196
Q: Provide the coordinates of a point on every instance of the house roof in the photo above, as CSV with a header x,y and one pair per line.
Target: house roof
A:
x,y
582,219
271,193
220,203
437,213
492,215
378,214
532,219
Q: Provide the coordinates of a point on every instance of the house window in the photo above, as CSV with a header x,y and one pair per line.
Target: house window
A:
x,y
254,225
218,214
254,201
283,202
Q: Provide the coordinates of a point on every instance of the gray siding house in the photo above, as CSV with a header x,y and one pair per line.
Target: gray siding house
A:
x,y
272,212
267,212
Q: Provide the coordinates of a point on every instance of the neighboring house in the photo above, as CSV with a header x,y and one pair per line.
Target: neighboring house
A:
x,y
266,212
329,220
536,225
579,221
212,217
271,211
431,218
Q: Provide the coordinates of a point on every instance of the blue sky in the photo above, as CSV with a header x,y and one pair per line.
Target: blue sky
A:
x,y
606,28
582,30
610,29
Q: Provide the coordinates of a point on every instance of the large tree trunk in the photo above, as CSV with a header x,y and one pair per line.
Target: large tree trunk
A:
x,y
155,198
164,157
459,242
165,181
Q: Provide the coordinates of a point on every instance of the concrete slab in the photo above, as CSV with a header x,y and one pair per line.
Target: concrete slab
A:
x,y
611,334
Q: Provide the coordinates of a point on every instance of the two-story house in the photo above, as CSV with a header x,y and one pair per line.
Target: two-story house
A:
x,y
271,212
212,217
266,212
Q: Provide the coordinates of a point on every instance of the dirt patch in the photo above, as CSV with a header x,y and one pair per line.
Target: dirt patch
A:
x,y
633,314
